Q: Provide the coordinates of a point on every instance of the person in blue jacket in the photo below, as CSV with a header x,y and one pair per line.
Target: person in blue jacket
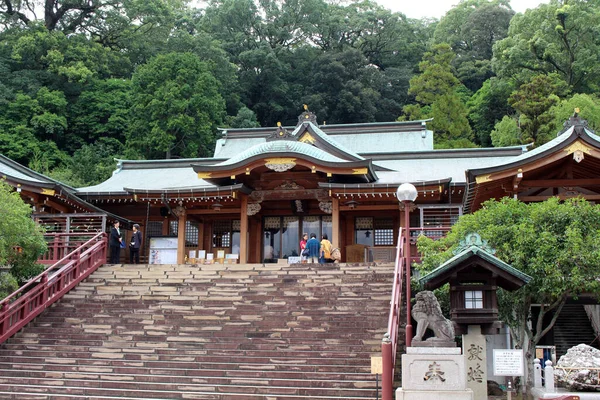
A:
x,y
314,246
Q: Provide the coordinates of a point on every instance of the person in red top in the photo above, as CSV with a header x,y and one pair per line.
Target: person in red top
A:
x,y
303,246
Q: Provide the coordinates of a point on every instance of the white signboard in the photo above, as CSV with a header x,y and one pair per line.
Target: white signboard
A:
x,y
163,250
294,260
508,362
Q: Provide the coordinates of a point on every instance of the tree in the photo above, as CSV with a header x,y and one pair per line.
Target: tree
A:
x,y
101,111
438,88
245,118
588,106
548,241
533,101
57,57
506,133
95,17
176,107
91,164
343,87
560,37
32,125
472,28
21,238
488,106
8,284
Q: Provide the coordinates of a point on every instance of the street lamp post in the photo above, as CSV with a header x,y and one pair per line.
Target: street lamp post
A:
x,y
407,194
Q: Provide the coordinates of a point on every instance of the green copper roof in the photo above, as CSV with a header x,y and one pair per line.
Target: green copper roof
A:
x,y
319,132
282,146
471,251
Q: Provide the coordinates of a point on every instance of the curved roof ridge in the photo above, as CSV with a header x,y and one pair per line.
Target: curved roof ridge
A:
x,y
18,171
282,146
319,132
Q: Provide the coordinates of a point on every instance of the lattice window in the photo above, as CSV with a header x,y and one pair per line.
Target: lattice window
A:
x,y
287,221
363,223
154,228
363,231
473,299
384,232
222,233
235,225
173,227
272,223
191,233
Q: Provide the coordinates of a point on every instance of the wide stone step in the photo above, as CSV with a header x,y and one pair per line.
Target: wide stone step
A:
x,y
158,389
60,365
204,377
293,370
196,357
26,393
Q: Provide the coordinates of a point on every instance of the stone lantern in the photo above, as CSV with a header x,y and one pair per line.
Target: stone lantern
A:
x,y
474,275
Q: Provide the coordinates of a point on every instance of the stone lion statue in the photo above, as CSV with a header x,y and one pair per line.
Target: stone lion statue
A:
x,y
428,314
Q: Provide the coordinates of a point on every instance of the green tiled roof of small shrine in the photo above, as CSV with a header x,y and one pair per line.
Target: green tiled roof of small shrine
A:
x,y
480,249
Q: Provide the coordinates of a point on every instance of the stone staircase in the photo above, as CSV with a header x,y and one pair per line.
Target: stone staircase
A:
x,y
205,332
572,328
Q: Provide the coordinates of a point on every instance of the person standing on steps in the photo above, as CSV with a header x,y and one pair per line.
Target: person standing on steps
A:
x,y
114,243
303,255
313,247
325,252
135,244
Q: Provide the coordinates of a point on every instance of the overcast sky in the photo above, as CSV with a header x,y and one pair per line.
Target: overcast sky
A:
x,y
437,8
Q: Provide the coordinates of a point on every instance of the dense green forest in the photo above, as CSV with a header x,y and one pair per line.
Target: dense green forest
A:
x,y
86,81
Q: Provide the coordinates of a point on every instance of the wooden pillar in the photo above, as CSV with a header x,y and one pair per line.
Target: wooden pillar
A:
x,y
181,235
165,227
201,235
335,222
244,229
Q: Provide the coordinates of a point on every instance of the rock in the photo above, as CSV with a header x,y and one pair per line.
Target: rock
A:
x,y
579,357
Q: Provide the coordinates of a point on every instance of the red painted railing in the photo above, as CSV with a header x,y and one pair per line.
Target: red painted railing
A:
x,y
389,345
62,244
30,300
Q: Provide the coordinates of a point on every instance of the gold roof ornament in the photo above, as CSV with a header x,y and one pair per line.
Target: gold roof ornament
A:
x,y
307,116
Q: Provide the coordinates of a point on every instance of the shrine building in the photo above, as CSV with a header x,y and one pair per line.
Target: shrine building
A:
x,y
264,187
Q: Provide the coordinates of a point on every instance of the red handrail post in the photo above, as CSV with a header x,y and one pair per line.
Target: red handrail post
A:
x,y
3,319
55,246
387,376
45,289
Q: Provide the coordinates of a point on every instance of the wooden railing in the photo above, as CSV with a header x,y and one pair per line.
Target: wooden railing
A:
x,y
389,345
30,300
72,223
62,244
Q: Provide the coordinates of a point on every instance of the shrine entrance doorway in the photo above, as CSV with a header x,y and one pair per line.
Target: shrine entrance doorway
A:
x,y
281,235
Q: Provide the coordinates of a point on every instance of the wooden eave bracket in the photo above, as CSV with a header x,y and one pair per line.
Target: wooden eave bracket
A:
x,y
517,180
